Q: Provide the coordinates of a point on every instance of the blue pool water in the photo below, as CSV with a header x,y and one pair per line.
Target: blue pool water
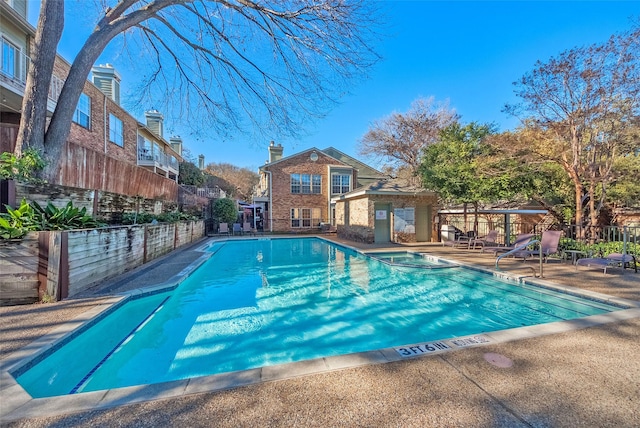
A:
x,y
410,259
257,303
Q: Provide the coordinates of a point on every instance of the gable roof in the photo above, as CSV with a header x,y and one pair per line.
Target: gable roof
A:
x,y
364,170
312,149
387,187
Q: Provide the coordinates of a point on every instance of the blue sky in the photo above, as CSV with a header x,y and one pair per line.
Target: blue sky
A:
x,y
466,52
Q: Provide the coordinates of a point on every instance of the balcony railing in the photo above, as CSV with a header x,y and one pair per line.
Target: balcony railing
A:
x,y
205,192
154,157
55,87
15,69
16,74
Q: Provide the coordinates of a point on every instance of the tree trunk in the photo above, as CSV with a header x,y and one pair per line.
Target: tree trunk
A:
x,y
464,216
593,212
475,219
60,125
31,133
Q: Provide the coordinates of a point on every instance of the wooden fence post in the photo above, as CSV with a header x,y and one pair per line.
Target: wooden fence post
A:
x,y
144,244
7,194
53,269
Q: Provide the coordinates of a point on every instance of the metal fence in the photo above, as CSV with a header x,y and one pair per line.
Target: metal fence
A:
x,y
595,234
575,232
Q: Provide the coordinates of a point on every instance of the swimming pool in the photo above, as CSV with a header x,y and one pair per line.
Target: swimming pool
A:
x,y
410,259
264,302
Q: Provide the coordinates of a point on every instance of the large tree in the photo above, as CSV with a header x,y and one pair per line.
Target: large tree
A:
x,y
236,181
400,138
583,103
463,168
190,174
267,65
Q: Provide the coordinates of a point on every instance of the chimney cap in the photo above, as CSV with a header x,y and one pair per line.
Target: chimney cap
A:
x,y
152,112
107,69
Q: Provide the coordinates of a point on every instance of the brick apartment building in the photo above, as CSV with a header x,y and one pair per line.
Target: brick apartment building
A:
x,y
296,190
317,189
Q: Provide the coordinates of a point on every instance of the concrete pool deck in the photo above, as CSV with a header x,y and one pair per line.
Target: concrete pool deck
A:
x,y
579,376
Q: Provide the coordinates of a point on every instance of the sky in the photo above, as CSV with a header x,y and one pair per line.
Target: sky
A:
x,y
466,53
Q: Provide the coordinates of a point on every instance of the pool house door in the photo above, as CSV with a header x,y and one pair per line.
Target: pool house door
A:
x,y
382,226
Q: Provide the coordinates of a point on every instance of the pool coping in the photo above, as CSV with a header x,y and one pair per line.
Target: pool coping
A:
x,y
18,404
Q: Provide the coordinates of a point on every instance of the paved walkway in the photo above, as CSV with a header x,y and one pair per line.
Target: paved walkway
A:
x,y
579,377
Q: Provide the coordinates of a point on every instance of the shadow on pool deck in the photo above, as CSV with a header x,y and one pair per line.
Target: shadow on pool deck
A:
x,y
587,377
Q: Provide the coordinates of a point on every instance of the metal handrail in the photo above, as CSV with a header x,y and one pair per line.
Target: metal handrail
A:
x,y
520,248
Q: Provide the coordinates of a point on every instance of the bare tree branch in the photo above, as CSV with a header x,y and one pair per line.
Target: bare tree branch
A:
x,y
401,137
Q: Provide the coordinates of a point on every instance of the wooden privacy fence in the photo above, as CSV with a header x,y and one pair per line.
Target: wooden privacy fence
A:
x,y
59,264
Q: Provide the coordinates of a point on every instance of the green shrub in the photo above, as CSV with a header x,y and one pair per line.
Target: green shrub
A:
x,y
16,223
145,218
225,211
23,168
67,218
32,217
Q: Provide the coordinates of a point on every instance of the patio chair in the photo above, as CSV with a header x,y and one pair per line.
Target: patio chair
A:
x,y
521,239
612,260
488,239
461,240
548,245
223,229
237,229
246,228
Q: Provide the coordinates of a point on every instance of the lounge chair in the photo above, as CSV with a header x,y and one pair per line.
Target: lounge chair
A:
x,y
246,227
548,245
223,229
460,241
521,239
612,260
237,229
488,239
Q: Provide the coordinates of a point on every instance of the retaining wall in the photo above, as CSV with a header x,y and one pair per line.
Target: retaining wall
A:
x,y
59,264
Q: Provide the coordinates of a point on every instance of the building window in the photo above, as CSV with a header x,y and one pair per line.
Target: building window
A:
x,y
305,217
295,217
116,133
404,220
340,183
316,184
10,59
306,183
82,115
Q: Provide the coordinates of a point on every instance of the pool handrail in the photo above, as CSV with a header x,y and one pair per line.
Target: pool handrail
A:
x,y
520,248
